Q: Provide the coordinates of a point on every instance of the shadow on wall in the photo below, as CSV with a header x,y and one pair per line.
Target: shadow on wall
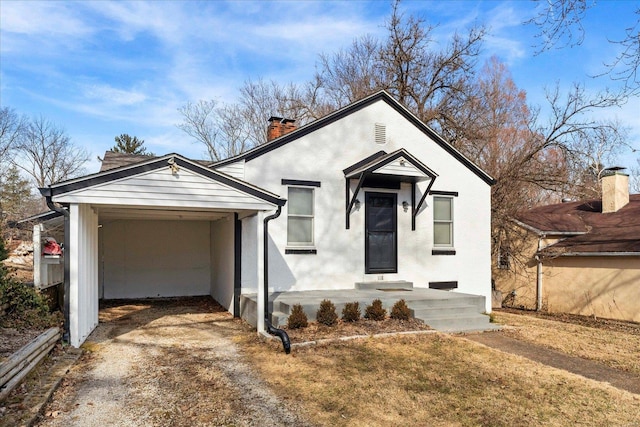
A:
x,y
280,275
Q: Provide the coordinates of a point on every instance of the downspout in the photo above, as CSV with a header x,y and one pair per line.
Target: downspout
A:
x,y
67,262
539,275
286,344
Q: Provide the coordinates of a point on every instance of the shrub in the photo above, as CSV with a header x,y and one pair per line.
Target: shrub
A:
x,y
25,306
375,311
400,311
327,313
351,312
297,318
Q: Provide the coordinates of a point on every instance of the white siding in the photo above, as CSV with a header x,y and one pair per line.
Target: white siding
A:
x,y
47,271
83,273
162,188
235,169
222,261
156,258
396,168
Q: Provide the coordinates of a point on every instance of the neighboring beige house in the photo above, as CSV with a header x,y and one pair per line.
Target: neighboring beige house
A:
x,y
579,257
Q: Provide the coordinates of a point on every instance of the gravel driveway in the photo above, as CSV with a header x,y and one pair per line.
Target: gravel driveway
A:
x,y
166,363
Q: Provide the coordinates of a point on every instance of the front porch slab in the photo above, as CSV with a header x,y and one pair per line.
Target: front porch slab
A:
x,y
442,310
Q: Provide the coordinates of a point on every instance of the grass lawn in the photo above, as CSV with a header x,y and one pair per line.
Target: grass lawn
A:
x,y
432,380
618,349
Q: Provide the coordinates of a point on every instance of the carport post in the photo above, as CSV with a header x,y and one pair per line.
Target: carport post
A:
x,y
260,265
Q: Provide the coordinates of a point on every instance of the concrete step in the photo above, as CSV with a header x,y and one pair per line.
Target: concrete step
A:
x,y
382,285
466,323
454,301
279,319
444,311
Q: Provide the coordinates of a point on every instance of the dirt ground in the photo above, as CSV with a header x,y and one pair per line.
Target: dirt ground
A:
x,y
166,363
181,362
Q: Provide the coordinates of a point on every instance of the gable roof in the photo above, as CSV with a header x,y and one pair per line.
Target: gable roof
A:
x,y
345,111
586,229
156,163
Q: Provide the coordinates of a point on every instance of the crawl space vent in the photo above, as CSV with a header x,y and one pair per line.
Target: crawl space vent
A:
x,y
380,133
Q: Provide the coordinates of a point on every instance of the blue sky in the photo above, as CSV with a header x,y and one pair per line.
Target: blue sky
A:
x,y
102,68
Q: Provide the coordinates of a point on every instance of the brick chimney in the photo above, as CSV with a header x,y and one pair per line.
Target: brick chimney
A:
x,y
615,190
278,127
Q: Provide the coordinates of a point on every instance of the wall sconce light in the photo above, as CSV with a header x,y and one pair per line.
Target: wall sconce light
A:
x,y
402,162
172,165
357,204
405,205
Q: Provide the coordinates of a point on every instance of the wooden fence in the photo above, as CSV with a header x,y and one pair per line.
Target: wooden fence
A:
x,y
19,364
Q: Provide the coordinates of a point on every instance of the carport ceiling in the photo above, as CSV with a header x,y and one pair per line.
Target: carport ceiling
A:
x,y
110,213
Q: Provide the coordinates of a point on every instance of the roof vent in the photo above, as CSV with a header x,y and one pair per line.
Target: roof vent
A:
x,y
380,133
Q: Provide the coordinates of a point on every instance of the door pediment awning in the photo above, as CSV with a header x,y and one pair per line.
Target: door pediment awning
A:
x,y
399,165
387,170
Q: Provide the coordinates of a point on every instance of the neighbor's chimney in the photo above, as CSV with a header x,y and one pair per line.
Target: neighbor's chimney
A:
x,y
615,190
278,127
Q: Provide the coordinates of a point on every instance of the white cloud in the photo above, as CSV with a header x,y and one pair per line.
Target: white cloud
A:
x,y
42,18
110,95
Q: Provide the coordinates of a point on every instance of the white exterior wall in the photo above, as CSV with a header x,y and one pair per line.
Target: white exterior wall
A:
x,y
83,272
222,261
47,270
153,258
339,262
249,259
235,169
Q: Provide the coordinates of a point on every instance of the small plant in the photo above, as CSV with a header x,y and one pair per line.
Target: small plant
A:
x,y
297,319
351,312
327,313
375,311
492,317
400,311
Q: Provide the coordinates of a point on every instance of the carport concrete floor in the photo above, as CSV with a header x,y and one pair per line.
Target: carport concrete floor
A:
x,y
166,362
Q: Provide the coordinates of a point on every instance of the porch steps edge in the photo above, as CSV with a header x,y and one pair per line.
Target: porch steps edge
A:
x,y
395,284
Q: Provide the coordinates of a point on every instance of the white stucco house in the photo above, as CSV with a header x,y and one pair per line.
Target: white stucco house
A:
x,y
367,193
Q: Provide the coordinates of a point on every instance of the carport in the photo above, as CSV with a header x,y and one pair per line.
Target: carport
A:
x,y
162,227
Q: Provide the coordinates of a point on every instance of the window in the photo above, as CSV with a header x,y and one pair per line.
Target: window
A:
x,y
300,217
504,259
443,221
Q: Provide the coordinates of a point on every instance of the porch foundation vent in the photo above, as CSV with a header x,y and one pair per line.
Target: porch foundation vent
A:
x,y
380,133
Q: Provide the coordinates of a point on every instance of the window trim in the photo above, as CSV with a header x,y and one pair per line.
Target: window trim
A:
x,y
450,222
302,247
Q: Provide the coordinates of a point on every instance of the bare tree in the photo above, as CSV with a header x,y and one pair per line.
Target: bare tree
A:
x,y
560,25
353,73
199,122
46,153
230,129
12,127
428,80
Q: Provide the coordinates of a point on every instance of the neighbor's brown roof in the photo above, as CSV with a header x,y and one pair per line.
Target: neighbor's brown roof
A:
x,y
112,160
595,232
